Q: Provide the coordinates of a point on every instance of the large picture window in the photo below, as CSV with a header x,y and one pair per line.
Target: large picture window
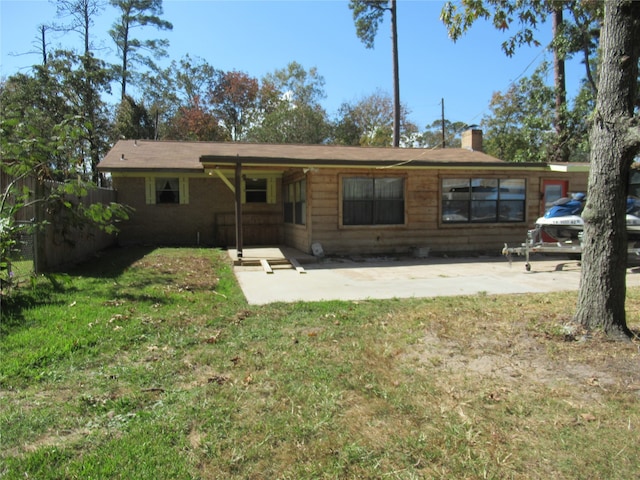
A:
x,y
483,200
372,201
295,203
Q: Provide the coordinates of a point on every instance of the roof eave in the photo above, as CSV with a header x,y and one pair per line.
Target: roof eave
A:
x,y
569,167
107,168
211,160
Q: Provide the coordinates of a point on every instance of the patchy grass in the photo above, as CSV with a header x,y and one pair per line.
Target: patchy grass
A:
x,y
149,364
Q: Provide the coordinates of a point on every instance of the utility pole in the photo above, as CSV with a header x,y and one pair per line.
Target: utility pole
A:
x,y
443,137
396,76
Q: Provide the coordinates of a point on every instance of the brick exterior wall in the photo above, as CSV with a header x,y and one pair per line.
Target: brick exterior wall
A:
x,y
208,219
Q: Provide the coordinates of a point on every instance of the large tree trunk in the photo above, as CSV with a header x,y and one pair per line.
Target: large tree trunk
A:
x,y
601,301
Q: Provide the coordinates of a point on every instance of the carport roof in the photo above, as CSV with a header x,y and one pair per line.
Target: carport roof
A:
x,y
148,155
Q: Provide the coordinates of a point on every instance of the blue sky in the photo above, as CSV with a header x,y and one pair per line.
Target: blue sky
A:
x,y
260,36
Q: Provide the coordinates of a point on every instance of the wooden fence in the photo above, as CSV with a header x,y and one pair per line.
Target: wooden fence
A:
x,y
62,241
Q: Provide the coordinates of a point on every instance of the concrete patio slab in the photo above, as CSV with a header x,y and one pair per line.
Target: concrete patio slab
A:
x,y
386,277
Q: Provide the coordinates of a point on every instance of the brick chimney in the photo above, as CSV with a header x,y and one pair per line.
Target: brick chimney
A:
x,y
472,139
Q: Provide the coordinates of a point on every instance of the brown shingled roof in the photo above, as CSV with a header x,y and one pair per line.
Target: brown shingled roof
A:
x,y
145,155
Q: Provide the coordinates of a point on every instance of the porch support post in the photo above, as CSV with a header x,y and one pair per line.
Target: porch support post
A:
x,y
238,192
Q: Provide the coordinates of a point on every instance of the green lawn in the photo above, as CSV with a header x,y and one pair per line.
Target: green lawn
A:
x,y
149,364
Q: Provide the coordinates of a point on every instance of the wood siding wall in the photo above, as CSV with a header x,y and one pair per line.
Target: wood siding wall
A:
x,y
422,227
299,236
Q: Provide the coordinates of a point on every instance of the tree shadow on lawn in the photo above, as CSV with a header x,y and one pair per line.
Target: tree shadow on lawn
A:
x,y
111,262
169,271
22,299
107,264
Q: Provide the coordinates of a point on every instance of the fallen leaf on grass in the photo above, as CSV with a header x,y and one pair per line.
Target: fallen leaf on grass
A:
x,y
588,417
494,396
213,338
113,303
240,316
219,379
497,395
463,415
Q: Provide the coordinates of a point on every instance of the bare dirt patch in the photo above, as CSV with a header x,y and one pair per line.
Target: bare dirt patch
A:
x,y
190,273
587,366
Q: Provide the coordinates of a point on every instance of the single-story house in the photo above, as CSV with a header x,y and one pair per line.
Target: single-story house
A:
x,y
348,200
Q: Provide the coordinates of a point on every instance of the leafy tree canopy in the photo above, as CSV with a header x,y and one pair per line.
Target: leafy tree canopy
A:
x,y
521,123
432,136
369,122
134,51
194,123
290,110
234,101
368,15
